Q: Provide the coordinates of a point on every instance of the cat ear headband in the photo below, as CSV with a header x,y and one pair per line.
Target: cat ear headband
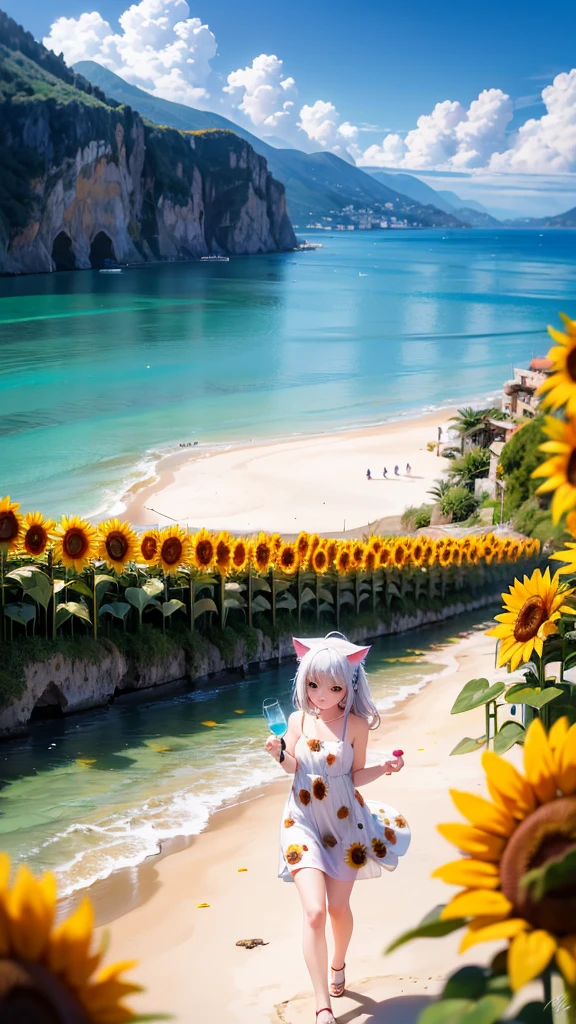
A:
x,y
352,652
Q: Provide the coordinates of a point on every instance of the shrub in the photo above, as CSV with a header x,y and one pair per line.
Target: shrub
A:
x,y
416,517
519,458
459,503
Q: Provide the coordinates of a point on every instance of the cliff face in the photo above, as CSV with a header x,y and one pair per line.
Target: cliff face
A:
x,y
96,182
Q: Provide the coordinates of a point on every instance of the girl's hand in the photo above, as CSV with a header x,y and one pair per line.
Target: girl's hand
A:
x,y
274,747
393,766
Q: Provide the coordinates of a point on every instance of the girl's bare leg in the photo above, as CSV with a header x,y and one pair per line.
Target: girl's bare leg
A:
x,y
341,919
311,885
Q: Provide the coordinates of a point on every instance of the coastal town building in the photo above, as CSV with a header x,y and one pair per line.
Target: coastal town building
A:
x,y
520,398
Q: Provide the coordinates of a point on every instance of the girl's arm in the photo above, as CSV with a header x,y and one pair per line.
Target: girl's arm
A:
x,y
274,746
361,775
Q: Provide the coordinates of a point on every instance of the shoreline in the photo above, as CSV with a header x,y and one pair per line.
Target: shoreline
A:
x,y
165,929
245,486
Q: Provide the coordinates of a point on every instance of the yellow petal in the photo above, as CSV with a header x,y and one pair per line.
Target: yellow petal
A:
x,y
539,763
479,931
565,758
566,959
506,784
528,955
483,814
481,845
477,902
474,874
30,906
69,953
556,737
4,871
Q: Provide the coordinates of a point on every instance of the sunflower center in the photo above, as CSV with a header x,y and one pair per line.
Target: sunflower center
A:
x,y
149,548
530,618
35,540
75,543
29,992
548,833
172,551
8,526
571,364
204,552
571,468
116,546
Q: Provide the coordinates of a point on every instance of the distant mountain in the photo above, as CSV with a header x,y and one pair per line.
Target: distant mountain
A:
x,y
457,203
318,185
561,220
472,213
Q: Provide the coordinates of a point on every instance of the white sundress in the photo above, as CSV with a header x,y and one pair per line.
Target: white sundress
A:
x,y
327,824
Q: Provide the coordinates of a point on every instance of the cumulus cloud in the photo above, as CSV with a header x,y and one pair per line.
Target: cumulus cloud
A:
x,y
159,48
548,143
451,137
320,121
263,91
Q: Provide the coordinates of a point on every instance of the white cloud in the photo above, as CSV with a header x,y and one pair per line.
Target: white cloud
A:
x,y
320,122
546,144
159,48
263,90
451,137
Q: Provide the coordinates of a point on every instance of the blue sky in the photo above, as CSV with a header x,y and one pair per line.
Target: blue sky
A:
x,y
355,78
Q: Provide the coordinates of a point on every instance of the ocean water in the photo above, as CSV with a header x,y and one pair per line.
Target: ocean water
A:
x,y
99,374
87,794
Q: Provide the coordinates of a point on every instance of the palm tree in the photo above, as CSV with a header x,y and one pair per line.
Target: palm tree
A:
x,y
470,467
467,419
439,489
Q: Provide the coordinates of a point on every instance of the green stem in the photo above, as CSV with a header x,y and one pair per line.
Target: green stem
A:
x,y
222,600
569,1004
338,601
94,605
318,597
249,595
191,603
273,598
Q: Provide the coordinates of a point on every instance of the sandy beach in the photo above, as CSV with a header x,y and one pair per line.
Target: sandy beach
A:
x,y
314,483
189,962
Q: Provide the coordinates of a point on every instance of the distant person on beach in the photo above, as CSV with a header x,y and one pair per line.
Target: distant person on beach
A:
x,y
384,472
408,469
396,471
330,836
368,474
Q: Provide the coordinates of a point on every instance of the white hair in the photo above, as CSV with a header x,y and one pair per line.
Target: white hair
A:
x,y
331,667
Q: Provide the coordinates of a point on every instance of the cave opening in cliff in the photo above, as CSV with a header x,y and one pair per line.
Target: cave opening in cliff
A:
x,y
101,251
50,704
62,252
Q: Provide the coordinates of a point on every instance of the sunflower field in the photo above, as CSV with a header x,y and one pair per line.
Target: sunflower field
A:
x,y
59,576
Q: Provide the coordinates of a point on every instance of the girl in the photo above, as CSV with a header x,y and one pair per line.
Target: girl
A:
x,y
329,835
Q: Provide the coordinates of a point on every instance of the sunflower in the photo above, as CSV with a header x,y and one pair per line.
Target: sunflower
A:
x,y
417,552
370,560
356,856
54,962
568,556
319,788
319,561
399,554
358,550
314,745
331,551
530,820
329,841
385,556
472,553
560,469
342,812
531,610
118,544
428,553
202,550
343,558
76,544
148,547
359,797
375,543
330,759
305,797
445,557
10,525
378,847
294,854
223,552
288,822
302,544
390,835
262,553
36,533
239,555
173,549
559,389
288,559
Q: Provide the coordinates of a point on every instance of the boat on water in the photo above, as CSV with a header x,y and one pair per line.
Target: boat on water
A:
x,y
215,259
110,270
310,245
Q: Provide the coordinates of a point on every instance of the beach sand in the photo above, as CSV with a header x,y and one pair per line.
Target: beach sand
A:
x,y
189,962
306,483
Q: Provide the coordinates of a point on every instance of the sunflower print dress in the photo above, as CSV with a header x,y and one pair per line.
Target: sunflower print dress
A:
x,y
327,824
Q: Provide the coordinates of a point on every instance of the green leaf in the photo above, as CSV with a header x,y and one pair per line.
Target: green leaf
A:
x,y
325,595
393,589
466,983
59,585
62,615
445,1011
260,604
430,927
169,607
204,580
307,595
119,609
287,602
509,734
487,1010
138,597
79,587
76,608
35,583
476,693
20,612
347,597
206,604
530,1013
233,587
554,876
153,587
236,601
468,745
534,696
260,584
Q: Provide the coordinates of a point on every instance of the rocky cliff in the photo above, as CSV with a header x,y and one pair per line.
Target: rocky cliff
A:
x,y
83,179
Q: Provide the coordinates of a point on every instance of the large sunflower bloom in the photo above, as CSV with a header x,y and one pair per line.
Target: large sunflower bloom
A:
x,y
343,558
31,940
302,545
358,550
331,550
262,553
202,550
530,820
118,544
399,554
223,552
370,560
559,389
288,559
76,543
319,561
36,531
531,610
239,555
385,556
560,469
148,547
10,525
173,549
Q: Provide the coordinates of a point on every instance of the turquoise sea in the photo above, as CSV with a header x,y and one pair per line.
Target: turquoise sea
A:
x,y
100,374
90,793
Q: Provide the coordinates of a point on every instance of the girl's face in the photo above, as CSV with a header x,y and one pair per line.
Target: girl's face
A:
x,y
325,694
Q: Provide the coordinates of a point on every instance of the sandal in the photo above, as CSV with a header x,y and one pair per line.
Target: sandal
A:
x,y
337,988
326,1009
